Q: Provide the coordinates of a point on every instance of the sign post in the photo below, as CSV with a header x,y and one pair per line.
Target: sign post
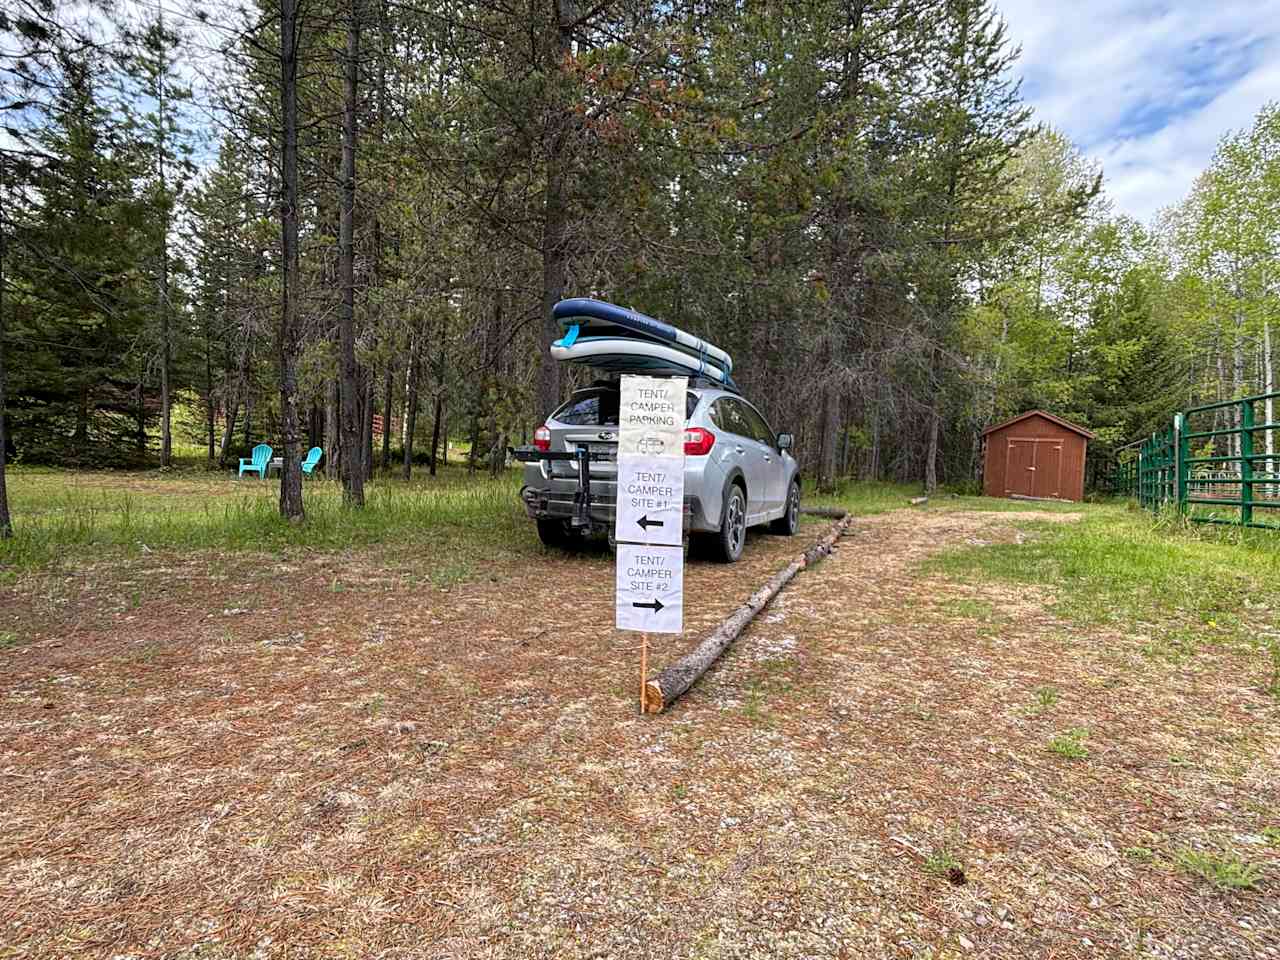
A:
x,y
649,510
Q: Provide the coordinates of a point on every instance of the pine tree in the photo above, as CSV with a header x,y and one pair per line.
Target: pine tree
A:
x,y
165,142
78,297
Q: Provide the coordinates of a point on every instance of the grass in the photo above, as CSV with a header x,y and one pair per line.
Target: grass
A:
x,y
867,498
970,608
1182,588
1225,871
863,498
1071,744
941,862
1046,699
62,516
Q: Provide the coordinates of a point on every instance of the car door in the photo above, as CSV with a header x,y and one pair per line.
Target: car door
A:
x,y
775,464
751,455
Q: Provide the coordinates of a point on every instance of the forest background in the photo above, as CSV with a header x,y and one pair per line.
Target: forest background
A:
x,y
345,225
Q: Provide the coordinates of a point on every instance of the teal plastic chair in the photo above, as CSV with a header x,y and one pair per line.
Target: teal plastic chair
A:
x,y
311,460
258,462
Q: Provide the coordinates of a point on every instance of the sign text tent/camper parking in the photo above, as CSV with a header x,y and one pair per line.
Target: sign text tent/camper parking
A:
x,y
649,509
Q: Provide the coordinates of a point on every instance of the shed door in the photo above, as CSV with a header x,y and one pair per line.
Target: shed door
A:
x,y
1020,467
1048,472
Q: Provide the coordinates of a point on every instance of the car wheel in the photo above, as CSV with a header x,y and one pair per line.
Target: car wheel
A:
x,y
727,544
789,522
555,533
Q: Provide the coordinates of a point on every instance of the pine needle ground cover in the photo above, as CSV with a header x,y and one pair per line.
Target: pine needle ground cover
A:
x,y
312,755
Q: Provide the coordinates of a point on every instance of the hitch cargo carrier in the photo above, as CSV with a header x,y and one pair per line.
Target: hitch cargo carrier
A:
x,y
590,507
582,457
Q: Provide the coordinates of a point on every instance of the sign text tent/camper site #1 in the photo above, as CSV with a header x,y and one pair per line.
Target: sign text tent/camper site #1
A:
x,y
649,509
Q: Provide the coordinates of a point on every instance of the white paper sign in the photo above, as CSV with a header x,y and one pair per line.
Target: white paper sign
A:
x,y
651,416
650,501
650,588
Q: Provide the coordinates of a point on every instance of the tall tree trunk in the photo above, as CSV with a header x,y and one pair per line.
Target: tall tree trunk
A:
x,y
352,458
210,406
248,414
166,345
873,461
1221,418
389,382
332,443
388,396
1237,382
497,441
475,438
291,476
830,420
366,444
6,521
553,279
435,433
233,410
1269,405
931,458
555,224
166,359
444,431
411,406
315,426
140,411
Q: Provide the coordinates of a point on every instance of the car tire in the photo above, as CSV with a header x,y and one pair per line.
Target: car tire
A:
x,y
555,533
726,546
787,524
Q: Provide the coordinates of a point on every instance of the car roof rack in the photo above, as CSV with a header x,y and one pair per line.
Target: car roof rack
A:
x,y
706,383
701,383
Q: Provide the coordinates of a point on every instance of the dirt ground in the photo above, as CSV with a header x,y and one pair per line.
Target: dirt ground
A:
x,y
317,758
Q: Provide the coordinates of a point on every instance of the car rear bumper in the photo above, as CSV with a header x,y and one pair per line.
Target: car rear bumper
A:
x,y
558,501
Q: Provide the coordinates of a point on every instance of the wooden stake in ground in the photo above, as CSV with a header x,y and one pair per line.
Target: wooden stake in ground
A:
x,y
681,675
644,667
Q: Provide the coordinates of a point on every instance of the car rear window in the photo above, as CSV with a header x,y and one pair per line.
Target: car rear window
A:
x,y
599,408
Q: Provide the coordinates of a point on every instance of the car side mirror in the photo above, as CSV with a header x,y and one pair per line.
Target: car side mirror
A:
x,y
785,440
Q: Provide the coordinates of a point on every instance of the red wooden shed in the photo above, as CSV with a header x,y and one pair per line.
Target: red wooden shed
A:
x,y
1035,455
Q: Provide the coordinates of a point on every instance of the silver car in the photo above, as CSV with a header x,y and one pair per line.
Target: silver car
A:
x,y
738,473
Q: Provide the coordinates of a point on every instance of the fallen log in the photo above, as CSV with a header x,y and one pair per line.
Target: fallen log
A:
x,y
661,692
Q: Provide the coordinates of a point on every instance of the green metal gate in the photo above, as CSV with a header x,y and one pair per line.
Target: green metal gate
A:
x,y
1215,474
1158,469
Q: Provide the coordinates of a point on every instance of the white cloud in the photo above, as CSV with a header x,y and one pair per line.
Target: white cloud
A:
x,y
1147,88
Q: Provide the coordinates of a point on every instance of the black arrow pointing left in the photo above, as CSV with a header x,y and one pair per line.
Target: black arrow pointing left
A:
x,y
655,606
644,523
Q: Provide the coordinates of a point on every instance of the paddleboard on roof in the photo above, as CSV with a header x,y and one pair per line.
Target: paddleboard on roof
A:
x,y
582,318
636,355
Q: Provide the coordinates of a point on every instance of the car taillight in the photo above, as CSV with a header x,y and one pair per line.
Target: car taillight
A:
x,y
542,438
698,442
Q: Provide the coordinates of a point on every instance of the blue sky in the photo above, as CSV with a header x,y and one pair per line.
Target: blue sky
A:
x,y
1147,88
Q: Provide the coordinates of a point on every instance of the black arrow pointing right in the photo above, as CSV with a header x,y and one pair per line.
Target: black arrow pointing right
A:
x,y
644,523
655,606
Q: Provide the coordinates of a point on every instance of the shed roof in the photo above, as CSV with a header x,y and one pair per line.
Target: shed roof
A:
x,y
1048,416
